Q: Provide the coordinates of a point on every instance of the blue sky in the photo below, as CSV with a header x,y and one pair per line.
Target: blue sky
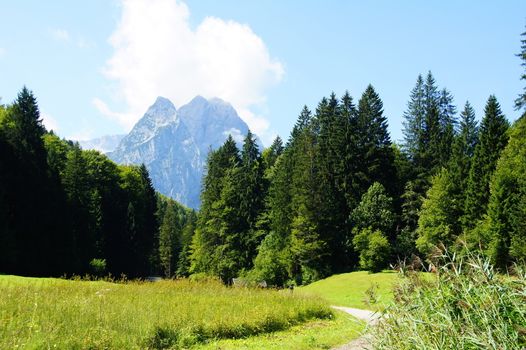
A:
x,y
268,58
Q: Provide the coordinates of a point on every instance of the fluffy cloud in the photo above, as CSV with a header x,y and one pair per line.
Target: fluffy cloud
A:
x,y
127,120
60,35
157,53
49,122
2,51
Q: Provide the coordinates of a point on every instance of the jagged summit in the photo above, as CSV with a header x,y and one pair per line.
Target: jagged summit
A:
x,y
163,110
173,144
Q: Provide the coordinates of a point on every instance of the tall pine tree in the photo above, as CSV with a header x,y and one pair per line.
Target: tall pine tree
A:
x,y
493,138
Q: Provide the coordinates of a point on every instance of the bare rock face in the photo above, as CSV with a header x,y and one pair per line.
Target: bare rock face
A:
x,y
174,144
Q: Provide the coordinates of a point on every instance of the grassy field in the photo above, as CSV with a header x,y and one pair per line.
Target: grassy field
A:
x,y
353,289
55,313
318,334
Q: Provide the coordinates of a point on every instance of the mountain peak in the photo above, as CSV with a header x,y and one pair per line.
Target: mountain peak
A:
x,y
198,100
218,101
174,145
162,106
162,101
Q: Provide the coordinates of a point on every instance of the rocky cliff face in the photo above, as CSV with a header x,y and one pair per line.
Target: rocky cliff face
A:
x,y
173,144
102,144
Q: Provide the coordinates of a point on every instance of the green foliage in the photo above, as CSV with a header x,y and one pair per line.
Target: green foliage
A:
x,y
493,137
272,261
375,210
98,267
468,306
374,249
428,129
460,163
507,204
30,197
520,102
436,224
169,236
184,262
373,220
63,208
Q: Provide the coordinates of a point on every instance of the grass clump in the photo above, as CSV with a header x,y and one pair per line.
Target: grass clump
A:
x,y
55,313
468,306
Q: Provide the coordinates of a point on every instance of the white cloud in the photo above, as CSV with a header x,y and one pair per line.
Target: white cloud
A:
x,y
123,118
2,52
157,53
60,35
64,36
235,133
49,122
84,135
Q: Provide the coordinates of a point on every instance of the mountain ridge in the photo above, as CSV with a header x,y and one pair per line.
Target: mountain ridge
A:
x,y
173,143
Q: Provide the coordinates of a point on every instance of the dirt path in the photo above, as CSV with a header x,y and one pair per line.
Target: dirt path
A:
x,y
370,317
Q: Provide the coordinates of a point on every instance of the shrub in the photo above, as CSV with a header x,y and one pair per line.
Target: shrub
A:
x,y
467,306
374,249
98,267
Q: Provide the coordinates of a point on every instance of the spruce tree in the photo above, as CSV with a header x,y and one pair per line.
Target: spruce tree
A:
x,y
447,122
520,102
411,202
32,195
184,263
460,163
493,138
76,187
169,244
429,156
305,204
428,129
251,191
329,138
413,124
505,224
211,227
271,154
374,144
348,183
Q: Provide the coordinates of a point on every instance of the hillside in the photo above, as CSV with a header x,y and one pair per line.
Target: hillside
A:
x,y
352,289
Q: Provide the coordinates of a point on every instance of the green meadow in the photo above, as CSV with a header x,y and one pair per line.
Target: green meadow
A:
x,y
55,313
361,289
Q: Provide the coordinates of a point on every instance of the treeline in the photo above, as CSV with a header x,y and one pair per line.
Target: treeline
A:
x,y
340,195
337,196
64,210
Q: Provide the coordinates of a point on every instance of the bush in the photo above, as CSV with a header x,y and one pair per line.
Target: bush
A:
x,y
374,249
271,263
468,306
98,267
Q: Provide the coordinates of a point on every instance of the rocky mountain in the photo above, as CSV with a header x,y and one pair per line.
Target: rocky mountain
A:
x,y
103,144
173,144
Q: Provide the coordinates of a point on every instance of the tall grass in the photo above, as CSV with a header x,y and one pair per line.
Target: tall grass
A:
x,y
468,306
54,313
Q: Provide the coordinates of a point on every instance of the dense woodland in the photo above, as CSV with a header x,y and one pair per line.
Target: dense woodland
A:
x,y
338,195
68,211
